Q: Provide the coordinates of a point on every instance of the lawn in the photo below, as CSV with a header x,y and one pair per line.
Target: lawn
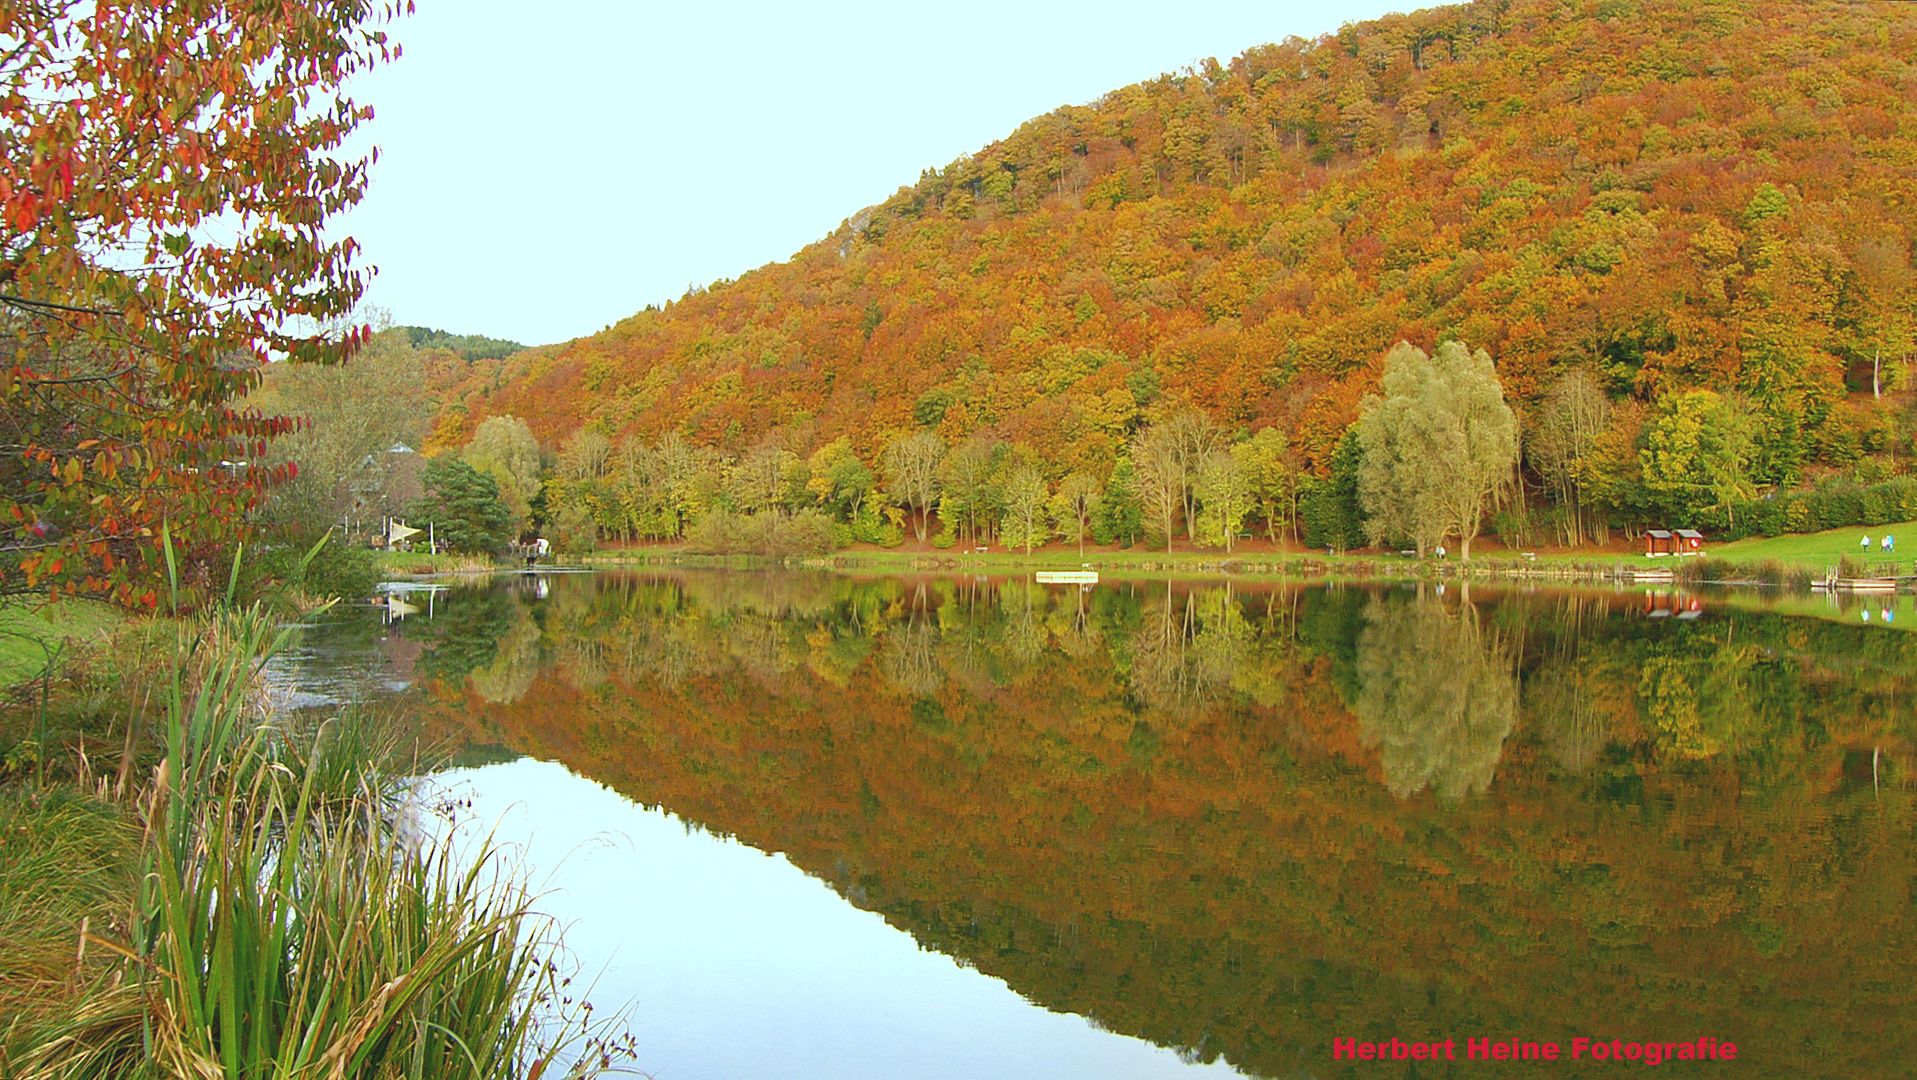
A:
x,y
1812,551
34,631
1822,549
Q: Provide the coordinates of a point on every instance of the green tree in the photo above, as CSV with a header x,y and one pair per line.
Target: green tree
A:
x,y
757,481
1224,497
1158,477
1075,505
503,447
839,480
353,416
463,507
1439,446
1120,516
1190,438
1328,506
1697,456
1275,470
972,481
1022,522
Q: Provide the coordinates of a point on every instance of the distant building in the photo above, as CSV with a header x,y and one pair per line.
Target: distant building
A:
x,y
382,486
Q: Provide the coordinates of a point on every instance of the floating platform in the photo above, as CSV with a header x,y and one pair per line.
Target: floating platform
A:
x,y
1857,584
1067,577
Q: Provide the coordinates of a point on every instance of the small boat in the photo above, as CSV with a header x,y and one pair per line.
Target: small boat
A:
x,y
1067,577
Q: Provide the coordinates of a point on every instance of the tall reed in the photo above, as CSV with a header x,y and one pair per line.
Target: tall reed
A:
x,y
289,924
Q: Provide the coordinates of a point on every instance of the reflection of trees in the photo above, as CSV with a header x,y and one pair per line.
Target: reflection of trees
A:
x,y
515,663
909,660
464,633
1072,625
1703,697
1438,696
1188,648
1567,704
1168,876
1024,638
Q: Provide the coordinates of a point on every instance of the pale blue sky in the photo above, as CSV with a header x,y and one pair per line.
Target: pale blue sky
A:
x,y
548,169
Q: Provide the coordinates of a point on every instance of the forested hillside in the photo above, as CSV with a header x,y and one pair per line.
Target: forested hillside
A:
x,y
1665,196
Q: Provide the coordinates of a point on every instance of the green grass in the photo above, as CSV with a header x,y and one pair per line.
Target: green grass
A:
x,y
1812,551
1823,549
34,632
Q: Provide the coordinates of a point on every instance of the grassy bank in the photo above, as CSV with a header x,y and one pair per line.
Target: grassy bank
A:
x,y
1779,557
421,564
253,896
36,633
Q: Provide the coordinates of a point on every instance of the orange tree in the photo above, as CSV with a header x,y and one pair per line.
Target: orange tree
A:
x,y
167,168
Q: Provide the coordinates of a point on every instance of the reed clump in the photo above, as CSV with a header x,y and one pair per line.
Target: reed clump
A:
x,y
286,915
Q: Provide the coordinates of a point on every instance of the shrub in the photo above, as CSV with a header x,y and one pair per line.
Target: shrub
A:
x,y
766,533
337,569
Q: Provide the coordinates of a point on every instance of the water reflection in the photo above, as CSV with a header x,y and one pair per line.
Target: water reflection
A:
x,y
1242,822
1438,695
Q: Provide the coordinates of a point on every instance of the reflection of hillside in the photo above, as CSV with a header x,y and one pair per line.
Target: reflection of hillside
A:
x,y
1172,809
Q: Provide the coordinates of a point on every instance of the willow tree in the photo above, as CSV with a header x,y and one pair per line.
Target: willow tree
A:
x,y
504,448
1438,446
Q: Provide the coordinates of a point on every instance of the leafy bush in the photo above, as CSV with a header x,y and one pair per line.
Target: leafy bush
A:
x,y
574,531
1515,527
337,569
766,533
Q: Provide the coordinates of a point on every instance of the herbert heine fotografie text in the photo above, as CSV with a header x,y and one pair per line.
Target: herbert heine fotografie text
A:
x,y
1581,1049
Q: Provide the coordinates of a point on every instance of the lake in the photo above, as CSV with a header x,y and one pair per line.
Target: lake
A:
x,y
810,825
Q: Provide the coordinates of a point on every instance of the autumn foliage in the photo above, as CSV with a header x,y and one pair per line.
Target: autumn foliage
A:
x,y
1242,821
1663,196
166,175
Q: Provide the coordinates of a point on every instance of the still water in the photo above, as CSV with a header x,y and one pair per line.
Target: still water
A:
x,y
816,826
